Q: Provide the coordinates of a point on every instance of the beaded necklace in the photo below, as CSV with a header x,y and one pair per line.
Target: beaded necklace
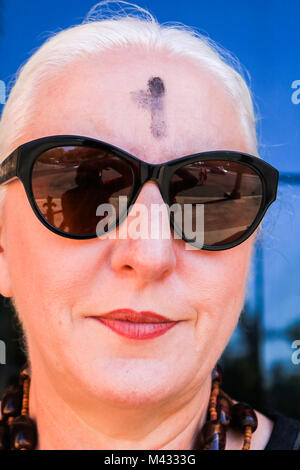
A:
x,y
18,431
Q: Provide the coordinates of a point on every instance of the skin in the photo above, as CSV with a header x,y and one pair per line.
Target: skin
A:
x,y
91,388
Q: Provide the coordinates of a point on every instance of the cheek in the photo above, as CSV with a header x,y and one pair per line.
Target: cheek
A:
x,y
216,275
31,258
217,282
47,272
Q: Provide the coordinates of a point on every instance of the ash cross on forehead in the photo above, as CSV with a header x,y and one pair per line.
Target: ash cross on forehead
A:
x,y
153,100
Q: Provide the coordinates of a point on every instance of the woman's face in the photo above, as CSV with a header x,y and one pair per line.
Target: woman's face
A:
x,y
59,284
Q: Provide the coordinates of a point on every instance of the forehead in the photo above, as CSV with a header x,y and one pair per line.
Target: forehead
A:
x,y
149,103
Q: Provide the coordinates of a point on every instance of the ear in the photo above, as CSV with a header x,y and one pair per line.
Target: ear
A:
x,y
5,282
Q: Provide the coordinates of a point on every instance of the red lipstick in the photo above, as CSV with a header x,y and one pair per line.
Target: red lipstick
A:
x,y
136,325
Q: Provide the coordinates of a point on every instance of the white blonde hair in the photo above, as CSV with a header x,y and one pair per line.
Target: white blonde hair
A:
x,y
101,31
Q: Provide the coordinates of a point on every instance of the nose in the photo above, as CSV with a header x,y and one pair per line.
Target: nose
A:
x,y
151,256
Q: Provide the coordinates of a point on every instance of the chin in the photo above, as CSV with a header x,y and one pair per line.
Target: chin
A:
x,y
131,381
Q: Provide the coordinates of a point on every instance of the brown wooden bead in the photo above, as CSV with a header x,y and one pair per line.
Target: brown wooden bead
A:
x,y
217,374
25,398
247,438
4,436
25,373
243,415
228,398
223,410
23,435
11,403
213,401
214,436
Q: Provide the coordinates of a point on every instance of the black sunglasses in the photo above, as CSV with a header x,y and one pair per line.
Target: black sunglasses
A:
x,y
67,177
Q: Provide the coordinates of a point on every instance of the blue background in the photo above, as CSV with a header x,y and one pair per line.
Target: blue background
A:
x,y
264,35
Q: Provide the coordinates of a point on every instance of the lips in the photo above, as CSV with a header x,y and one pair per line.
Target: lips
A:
x,y
136,325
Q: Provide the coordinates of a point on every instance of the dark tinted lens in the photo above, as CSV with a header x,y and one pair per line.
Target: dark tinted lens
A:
x,y
231,194
69,183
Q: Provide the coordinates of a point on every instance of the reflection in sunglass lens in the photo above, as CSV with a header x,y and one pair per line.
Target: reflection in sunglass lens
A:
x,y
69,183
231,194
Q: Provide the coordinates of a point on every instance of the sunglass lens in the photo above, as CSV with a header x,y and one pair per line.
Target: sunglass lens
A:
x,y
70,183
220,200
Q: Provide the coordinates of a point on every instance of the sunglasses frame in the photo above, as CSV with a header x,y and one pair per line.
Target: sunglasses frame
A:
x,y
19,164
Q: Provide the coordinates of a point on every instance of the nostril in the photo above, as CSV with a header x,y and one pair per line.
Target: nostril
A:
x,y
127,267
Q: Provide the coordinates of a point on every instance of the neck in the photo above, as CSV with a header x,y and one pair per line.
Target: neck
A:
x,y
64,424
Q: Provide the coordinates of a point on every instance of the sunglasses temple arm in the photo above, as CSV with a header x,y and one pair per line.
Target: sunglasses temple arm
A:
x,y
8,168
